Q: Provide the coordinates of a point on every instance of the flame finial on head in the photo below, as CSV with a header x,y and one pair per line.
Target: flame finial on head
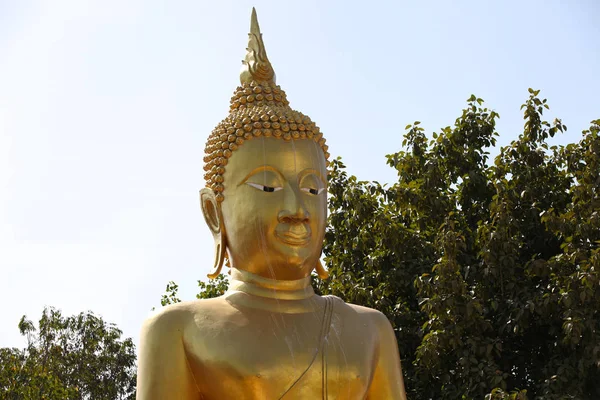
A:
x,y
256,66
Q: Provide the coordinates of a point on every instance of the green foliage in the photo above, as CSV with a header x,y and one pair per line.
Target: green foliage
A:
x,y
170,297
213,288
210,289
76,357
488,272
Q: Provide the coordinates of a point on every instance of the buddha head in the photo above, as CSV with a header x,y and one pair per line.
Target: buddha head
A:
x,y
265,170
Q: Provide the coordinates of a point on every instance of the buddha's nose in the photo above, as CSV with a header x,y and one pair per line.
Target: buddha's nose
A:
x,y
293,210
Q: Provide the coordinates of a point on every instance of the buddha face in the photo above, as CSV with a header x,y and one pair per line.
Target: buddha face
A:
x,y
275,207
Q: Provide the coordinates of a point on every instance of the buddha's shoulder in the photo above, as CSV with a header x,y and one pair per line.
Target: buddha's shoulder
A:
x,y
360,314
179,316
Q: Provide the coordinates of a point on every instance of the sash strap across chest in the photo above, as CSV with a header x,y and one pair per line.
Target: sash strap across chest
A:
x,y
323,338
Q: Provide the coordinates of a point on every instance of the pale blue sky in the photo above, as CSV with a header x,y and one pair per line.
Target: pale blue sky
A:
x,y
105,107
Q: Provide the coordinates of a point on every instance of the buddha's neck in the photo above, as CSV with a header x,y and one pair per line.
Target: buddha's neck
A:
x,y
251,290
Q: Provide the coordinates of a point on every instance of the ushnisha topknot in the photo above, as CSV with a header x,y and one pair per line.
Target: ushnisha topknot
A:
x,y
258,107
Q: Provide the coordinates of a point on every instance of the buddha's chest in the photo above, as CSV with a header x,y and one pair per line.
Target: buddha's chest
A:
x,y
272,356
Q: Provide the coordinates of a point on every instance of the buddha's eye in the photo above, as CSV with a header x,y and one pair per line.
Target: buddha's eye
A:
x,y
264,188
312,190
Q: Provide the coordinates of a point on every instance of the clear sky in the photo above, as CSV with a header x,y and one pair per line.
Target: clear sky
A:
x,y
105,107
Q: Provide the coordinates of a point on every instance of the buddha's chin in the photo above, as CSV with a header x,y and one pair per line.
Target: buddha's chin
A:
x,y
296,259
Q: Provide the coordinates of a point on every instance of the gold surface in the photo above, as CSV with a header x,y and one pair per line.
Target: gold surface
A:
x,y
270,336
258,108
277,234
256,65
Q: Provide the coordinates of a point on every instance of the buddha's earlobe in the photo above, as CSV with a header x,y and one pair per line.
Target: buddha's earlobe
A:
x,y
321,271
214,219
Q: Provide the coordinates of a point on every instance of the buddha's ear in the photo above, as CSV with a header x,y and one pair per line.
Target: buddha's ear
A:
x,y
211,210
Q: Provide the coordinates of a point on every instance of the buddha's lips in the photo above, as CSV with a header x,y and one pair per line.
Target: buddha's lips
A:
x,y
297,235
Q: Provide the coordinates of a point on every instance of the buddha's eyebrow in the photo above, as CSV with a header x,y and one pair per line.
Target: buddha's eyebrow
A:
x,y
309,171
260,169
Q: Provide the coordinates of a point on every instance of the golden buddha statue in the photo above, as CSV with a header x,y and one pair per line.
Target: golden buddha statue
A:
x,y
269,336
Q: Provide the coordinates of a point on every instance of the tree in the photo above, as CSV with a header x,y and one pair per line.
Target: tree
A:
x,y
489,272
505,256
75,357
214,288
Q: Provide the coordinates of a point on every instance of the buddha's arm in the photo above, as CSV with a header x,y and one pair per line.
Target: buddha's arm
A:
x,y
387,382
163,371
